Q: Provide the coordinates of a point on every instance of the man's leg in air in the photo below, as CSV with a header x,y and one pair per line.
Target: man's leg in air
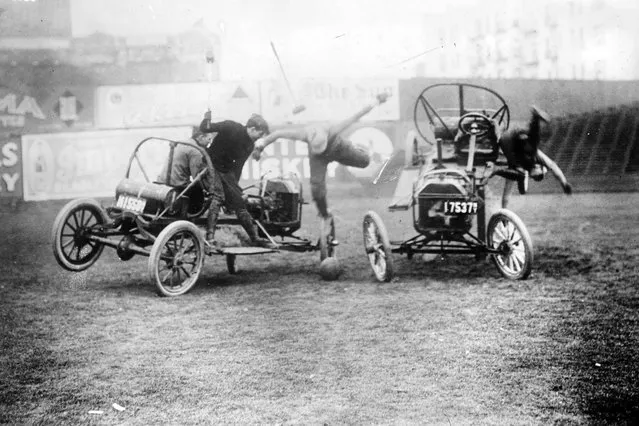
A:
x,y
345,152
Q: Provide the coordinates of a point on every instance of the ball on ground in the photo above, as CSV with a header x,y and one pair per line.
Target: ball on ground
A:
x,y
429,257
330,269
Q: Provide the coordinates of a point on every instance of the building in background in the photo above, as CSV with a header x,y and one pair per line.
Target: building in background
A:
x,y
545,39
148,59
37,48
35,24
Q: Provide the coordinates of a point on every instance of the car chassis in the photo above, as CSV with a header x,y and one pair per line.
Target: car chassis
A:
x,y
447,201
164,223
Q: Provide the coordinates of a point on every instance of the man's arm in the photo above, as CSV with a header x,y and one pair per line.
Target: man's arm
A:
x,y
196,162
206,126
293,134
554,168
340,127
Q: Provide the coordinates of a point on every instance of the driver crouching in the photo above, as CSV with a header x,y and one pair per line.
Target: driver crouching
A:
x,y
187,162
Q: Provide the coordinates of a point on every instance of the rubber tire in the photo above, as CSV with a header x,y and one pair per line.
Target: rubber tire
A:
x,y
327,249
388,272
156,251
526,241
58,226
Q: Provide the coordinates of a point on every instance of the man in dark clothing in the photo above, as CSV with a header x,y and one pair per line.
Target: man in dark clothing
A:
x,y
229,151
521,149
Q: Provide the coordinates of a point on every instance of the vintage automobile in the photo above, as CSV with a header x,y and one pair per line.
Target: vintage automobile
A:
x,y
447,192
151,217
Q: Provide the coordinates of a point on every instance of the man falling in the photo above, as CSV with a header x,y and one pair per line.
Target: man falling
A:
x,y
521,149
325,145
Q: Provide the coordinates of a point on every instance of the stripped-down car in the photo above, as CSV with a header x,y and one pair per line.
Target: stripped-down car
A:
x,y
165,222
447,192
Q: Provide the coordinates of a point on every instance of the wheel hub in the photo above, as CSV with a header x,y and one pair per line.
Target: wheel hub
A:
x,y
505,248
80,237
178,260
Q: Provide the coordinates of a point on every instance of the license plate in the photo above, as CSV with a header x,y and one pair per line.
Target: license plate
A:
x,y
460,207
133,204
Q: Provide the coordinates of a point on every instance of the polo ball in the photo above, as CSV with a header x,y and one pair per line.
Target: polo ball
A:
x,y
330,269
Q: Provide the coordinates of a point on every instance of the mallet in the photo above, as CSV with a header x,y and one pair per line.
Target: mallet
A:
x,y
298,108
210,60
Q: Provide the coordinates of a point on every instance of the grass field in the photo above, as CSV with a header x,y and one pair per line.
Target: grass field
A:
x,y
447,342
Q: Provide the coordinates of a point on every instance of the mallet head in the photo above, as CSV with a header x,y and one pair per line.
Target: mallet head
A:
x,y
210,57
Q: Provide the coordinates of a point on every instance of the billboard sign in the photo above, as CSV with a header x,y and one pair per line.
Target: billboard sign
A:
x,y
328,99
10,168
82,164
63,108
174,104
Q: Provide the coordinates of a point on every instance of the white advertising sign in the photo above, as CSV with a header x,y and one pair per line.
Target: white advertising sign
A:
x,y
82,164
174,104
328,99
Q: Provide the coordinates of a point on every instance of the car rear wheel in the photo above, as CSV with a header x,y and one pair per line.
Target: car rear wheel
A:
x,y
75,223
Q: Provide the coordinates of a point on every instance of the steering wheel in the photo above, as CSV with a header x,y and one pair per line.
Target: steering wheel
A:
x,y
474,123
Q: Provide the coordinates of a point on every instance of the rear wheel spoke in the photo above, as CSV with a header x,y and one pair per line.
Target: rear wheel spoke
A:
x,y
190,249
75,219
177,277
78,252
68,243
70,252
169,272
187,273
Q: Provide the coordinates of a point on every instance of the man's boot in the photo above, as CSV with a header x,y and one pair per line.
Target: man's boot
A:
x,y
245,219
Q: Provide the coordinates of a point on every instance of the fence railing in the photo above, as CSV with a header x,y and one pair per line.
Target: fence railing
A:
x,y
600,142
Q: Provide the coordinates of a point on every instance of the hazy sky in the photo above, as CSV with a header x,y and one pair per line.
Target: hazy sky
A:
x,y
320,38
313,37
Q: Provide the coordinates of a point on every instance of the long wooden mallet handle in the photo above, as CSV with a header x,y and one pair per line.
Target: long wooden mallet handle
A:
x,y
298,108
